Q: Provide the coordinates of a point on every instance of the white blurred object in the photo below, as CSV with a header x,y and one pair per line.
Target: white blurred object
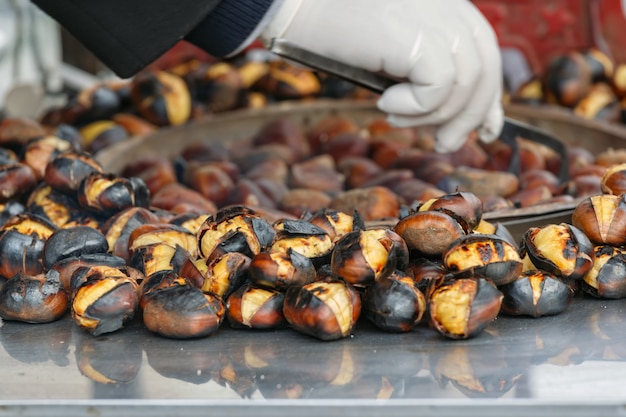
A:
x,y
30,58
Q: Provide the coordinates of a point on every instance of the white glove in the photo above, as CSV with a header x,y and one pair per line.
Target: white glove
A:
x,y
445,50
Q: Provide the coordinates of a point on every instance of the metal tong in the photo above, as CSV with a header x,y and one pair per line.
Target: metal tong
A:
x,y
379,82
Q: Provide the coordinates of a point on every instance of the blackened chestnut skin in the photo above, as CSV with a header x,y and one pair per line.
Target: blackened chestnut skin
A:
x,y
72,242
33,299
520,300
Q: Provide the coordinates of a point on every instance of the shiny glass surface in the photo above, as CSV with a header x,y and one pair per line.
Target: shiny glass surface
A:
x,y
569,362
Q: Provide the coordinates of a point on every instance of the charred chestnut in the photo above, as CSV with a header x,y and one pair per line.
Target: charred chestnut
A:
x,y
67,266
72,242
394,304
336,223
183,311
303,237
163,233
119,228
463,204
255,308
560,249
280,270
161,97
33,298
325,310
104,298
109,194
65,172
234,229
464,307
224,274
536,293
362,257
155,257
22,240
607,276
16,180
55,206
485,255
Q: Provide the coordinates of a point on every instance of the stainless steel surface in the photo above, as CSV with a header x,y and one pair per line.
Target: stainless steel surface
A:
x,y
572,364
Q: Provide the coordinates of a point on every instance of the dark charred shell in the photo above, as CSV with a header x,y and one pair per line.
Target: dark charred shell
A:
x,y
427,274
576,247
22,240
263,230
157,282
10,209
33,299
72,242
119,228
464,320
183,312
536,293
191,221
607,279
67,266
107,309
162,98
267,315
503,233
16,179
311,309
265,270
225,274
394,304
119,194
300,227
57,207
485,255
304,238
68,133
65,172
100,271
336,223
156,257
97,103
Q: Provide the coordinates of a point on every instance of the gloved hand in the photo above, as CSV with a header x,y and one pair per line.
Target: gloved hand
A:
x,y
445,50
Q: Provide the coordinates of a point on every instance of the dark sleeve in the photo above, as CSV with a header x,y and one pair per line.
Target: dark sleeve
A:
x,y
127,35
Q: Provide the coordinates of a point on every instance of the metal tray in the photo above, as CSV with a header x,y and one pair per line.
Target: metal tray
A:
x,y
237,127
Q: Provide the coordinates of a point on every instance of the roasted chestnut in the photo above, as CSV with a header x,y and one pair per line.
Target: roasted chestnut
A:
x,y
161,97
155,257
40,151
614,180
67,266
362,257
163,233
22,239
602,218
65,172
255,308
485,255
303,237
16,179
560,249
326,310
33,298
234,229
336,223
55,206
463,204
224,274
280,270
104,298
394,303
430,232
607,276
536,293
120,226
463,308
109,194
183,311
72,242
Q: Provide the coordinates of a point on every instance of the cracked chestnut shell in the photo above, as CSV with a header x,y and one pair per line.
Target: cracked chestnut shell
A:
x,y
16,179
280,270
560,249
234,229
464,307
303,237
326,310
224,274
365,256
156,257
119,228
485,255
33,298
183,311
66,171
109,194
255,308
104,298
336,223
22,239
536,293
602,218
607,276
161,97
394,304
